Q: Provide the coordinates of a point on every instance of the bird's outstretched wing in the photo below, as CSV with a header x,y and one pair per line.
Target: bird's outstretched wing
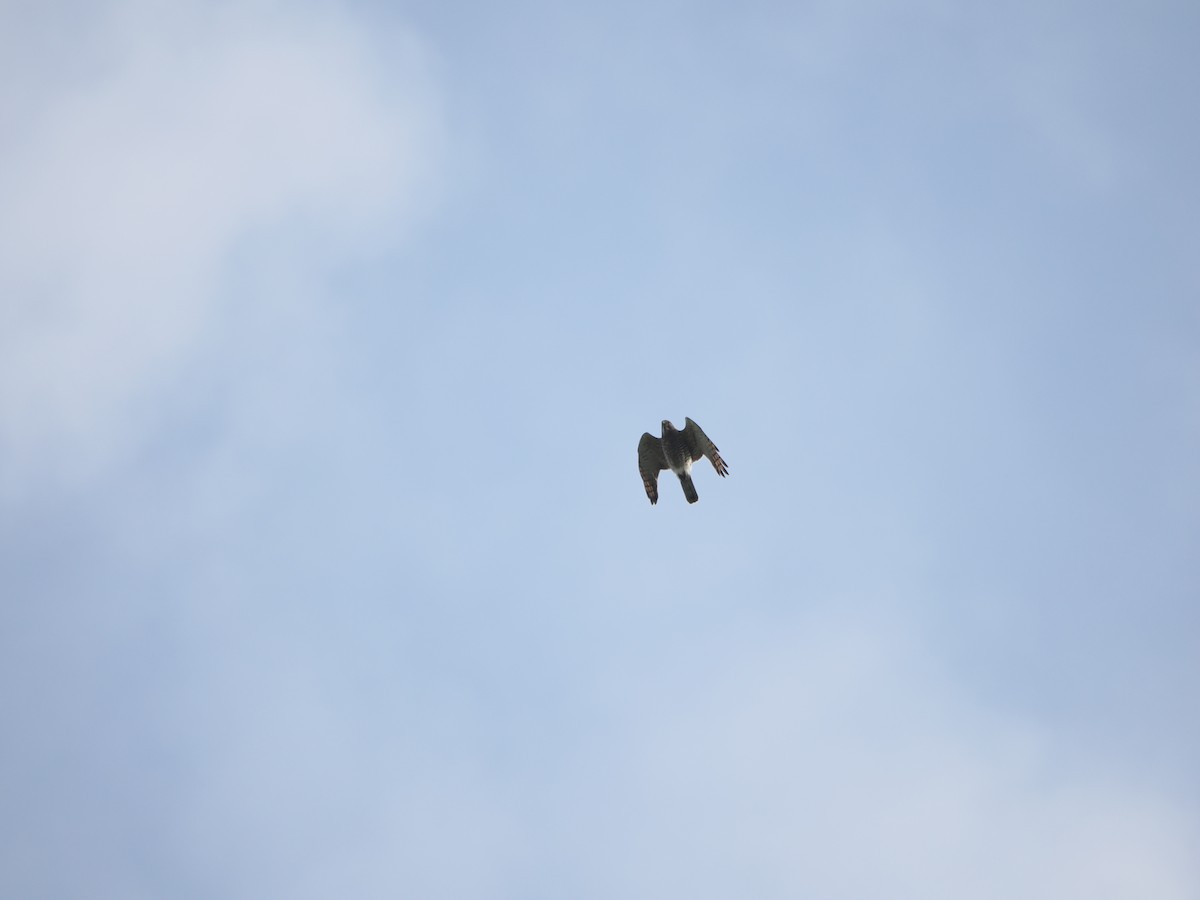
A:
x,y
699,445
650,462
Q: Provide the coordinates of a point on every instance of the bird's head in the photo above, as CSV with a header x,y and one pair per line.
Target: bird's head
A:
x,y
667,426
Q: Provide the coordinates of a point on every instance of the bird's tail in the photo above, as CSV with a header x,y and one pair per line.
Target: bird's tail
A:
x,y
689,489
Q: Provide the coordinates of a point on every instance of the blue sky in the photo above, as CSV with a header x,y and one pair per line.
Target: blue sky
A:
x,y
327,334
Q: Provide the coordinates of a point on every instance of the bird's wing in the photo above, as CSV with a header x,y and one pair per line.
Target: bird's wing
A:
x,y
650,462
699,445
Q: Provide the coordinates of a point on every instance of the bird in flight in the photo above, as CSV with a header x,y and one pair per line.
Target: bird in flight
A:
x,y
676,450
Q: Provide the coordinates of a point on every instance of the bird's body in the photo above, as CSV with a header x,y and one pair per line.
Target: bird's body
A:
x,y
676,450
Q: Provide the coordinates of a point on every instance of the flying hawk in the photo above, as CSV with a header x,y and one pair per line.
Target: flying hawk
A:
x,y
676,450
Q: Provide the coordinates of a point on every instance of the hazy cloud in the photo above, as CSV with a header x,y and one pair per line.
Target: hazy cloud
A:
x,y
127,194
834,756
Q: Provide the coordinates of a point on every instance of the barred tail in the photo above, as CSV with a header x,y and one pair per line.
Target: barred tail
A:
x,y
689,489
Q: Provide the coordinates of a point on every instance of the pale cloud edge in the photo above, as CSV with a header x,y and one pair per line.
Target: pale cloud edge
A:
x,y
131,190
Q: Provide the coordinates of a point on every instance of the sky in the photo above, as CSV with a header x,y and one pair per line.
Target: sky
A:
x,y
328,331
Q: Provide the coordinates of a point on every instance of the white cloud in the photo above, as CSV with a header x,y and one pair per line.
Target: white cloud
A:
x,y
126,194
833,760
821,758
